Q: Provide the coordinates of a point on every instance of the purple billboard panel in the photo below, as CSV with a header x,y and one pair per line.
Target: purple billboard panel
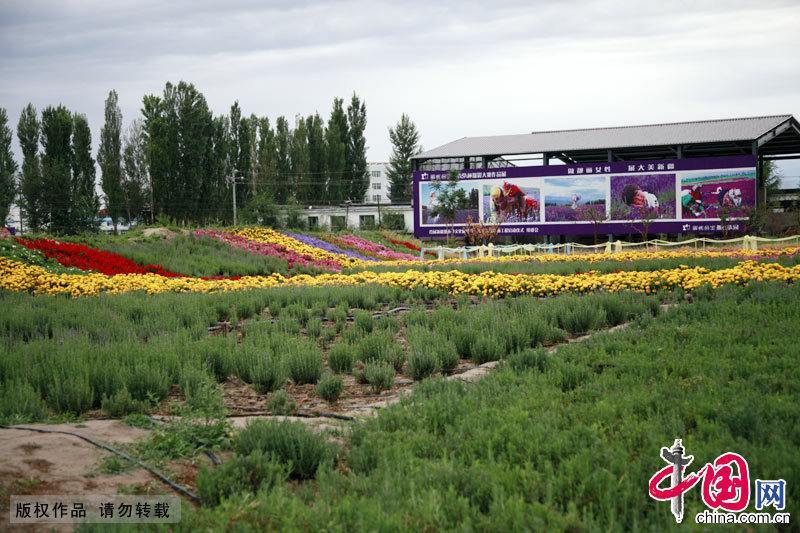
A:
x,y
680,195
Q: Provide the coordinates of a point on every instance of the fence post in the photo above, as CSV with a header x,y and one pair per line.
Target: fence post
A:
x,y
618,246
440,253
608,247
421,254
491,249
464,253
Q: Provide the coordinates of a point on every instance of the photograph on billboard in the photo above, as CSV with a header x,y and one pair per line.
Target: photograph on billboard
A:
x,y
716,194
574,199
511,202
443,202
679,195
635,197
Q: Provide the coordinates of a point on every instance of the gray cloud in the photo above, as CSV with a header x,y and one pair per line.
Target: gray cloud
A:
x,y
459,68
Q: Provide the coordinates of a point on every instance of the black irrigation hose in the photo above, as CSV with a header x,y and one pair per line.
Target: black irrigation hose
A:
x,y
177,488
312,414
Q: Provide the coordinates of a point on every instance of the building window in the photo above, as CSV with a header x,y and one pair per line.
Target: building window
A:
x,y
376,186
366,221
376,173
376,198
337,222
313,222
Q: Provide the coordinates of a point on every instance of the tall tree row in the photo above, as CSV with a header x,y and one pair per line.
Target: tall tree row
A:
x,y
177,160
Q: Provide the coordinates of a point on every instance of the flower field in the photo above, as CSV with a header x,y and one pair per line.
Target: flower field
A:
x,y
576,353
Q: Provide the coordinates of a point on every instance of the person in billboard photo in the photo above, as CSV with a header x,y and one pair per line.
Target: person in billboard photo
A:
x,y
639,196
634,196
511,203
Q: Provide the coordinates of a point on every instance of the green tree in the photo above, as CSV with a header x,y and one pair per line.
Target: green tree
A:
x,y
405,144
315,128
770,179
304,190
244,163
181,153
110,160
450,197
84,203
357,151
31,184
56,167
336,147
8,167
219,200
283,164
267,159
135,183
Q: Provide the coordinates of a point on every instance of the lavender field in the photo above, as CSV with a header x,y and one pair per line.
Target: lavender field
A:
x,y
565,213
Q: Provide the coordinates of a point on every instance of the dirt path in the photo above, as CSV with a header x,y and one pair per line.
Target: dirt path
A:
x,y
41,463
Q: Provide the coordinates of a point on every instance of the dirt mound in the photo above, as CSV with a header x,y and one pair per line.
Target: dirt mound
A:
x,y
164,233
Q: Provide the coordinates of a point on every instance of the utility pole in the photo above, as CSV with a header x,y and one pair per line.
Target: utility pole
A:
x,y
232,180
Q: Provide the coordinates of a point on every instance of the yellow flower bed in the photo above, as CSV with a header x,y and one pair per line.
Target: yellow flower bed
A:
x,y
19,277
597,257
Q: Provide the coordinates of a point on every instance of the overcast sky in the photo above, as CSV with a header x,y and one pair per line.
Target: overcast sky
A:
x,y
458,68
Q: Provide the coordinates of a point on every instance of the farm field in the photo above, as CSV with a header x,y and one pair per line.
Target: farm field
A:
x,y
341,385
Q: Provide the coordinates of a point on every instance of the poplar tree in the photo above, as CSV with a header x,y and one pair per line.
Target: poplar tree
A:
x,y
110,160
303,188
135,182
357,149
336,154
283,165
31,186
315,130
267,159
8,167
57,167
405,144
84,200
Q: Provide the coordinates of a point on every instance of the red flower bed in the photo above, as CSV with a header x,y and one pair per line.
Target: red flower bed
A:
x,y
409,245
85,258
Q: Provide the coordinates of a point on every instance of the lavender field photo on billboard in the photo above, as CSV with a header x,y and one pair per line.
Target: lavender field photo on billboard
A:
x,y
445,202
726,194
638,196
508,202
574,199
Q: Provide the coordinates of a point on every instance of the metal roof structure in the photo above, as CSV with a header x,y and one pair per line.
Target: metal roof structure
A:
x,y
775,136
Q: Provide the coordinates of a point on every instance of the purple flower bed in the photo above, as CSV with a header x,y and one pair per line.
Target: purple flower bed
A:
x,y
328,247
660,185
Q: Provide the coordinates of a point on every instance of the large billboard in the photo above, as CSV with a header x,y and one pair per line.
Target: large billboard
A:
x,y
678,195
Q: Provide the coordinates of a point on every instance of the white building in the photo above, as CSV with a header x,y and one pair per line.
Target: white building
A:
x,y
374,210
378,191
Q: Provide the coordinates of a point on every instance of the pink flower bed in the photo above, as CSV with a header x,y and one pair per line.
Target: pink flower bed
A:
x,y
371,248
274,250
